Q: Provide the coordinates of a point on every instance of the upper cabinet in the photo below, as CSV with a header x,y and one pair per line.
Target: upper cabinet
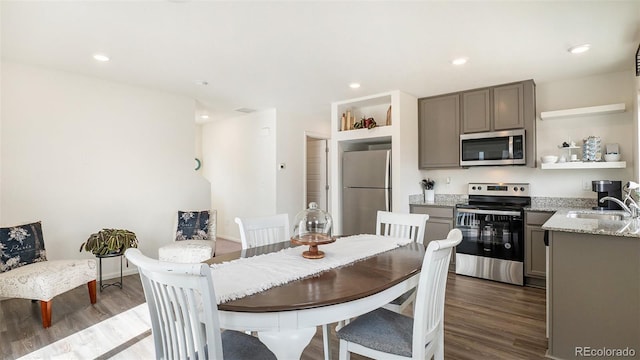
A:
x,y
439,131
443,118
508,107
476,111
494,109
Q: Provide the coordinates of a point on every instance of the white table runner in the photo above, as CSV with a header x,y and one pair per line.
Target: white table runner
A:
x,y
246,276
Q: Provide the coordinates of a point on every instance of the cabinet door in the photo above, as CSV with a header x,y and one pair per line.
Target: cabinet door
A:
x,y
535,252
476,111
439,132
508,107
437,227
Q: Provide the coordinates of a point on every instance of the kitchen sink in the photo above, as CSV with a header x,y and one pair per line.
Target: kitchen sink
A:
x,y
597,216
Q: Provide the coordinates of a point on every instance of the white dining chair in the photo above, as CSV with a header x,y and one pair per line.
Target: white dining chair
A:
x,y
406,226
384,334
264,230
184,314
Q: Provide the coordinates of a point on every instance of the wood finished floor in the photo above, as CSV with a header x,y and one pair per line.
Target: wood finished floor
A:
x,y
483,320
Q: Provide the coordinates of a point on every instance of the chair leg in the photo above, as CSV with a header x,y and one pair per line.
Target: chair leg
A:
x,y
439,350
92,291
326,342
344,352
45,310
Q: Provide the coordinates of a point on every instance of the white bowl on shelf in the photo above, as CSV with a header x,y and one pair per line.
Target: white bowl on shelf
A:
x,y
611,157
549,159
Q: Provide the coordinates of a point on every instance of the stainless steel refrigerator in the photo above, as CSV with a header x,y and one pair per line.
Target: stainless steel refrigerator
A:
x,y
366,188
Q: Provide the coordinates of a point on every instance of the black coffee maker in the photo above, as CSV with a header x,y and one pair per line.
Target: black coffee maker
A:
x,y
607,188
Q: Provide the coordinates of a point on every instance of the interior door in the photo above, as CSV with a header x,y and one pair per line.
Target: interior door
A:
x,y
317,181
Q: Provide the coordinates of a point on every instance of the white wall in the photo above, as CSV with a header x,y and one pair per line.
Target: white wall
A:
x,y
291,151
239,157
617,128
81,154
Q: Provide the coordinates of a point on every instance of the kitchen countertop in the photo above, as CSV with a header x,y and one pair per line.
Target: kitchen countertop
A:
x,y
443,200
537,203
557,203
627,227
559,221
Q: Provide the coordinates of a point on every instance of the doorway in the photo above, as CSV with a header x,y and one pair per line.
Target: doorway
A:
x,y
317,172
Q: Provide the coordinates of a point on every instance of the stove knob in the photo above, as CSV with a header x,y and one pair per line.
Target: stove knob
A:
x,y
515,188
522,188
479,187
473,188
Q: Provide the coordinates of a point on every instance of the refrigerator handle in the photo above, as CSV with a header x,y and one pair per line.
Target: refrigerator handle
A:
x,y
387,180
387,200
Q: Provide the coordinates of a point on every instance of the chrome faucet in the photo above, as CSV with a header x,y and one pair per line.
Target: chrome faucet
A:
x,y
632,209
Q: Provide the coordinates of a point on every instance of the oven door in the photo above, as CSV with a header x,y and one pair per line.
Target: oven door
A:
x,y
495,234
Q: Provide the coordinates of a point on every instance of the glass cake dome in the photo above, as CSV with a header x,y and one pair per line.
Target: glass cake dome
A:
x,y
312,225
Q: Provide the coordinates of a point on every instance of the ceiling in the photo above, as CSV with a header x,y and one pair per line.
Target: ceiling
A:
x,y
301,55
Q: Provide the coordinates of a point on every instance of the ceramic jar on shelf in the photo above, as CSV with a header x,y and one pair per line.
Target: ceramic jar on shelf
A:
x,y
591,149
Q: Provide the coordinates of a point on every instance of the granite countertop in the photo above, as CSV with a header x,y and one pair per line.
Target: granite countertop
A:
x,y
443,200
557,203
626,227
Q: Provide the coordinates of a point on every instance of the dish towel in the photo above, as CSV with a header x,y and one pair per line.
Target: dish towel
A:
x,y
246,276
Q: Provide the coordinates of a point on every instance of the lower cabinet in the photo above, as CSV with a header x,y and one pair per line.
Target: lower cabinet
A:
x,y
439,224
535,251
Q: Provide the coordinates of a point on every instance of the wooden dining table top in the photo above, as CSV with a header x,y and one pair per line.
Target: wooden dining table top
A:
x,y
339,285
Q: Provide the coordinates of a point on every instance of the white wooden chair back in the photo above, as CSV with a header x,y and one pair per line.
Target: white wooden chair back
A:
x,y
184,324
263,230
428,316
406,226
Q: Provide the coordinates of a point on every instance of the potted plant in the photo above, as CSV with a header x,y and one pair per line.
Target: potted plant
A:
x,y
428,192
110,242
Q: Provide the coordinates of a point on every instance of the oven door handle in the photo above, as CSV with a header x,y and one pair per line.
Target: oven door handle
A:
x,y
489,212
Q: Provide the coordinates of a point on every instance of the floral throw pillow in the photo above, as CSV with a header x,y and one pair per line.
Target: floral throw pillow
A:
x,y
193,225
21,245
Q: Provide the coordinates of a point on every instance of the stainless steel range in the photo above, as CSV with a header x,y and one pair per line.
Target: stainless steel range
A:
x,y
492,225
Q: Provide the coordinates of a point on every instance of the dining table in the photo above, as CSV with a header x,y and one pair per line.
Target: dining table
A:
x,y
286,317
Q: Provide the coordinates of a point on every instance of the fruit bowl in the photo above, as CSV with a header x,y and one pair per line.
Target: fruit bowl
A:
x,y
549,159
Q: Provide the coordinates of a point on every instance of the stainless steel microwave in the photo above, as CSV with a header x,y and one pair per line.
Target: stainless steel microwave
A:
x,y
493,148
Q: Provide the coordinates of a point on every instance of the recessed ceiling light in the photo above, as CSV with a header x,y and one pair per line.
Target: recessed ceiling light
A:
x,y
204,116
459,61
245,110
579,49
101,57
354,85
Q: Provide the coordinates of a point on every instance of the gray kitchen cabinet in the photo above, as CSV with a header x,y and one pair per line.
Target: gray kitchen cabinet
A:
x,y
508,107
594,295
439,224
439,132
494,109
535,253
476,111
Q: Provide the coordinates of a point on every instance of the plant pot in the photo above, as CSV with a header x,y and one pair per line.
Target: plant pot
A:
x,y
429,196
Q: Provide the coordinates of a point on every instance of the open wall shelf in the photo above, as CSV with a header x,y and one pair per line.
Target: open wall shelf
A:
x,y
584,111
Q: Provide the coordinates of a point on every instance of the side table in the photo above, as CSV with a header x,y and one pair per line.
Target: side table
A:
x,y
116,283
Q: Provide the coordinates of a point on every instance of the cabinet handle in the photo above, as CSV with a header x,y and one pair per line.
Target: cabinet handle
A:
x,y
546,238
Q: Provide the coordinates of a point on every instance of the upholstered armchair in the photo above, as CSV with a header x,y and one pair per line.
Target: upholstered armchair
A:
x,y
25,272
194,238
